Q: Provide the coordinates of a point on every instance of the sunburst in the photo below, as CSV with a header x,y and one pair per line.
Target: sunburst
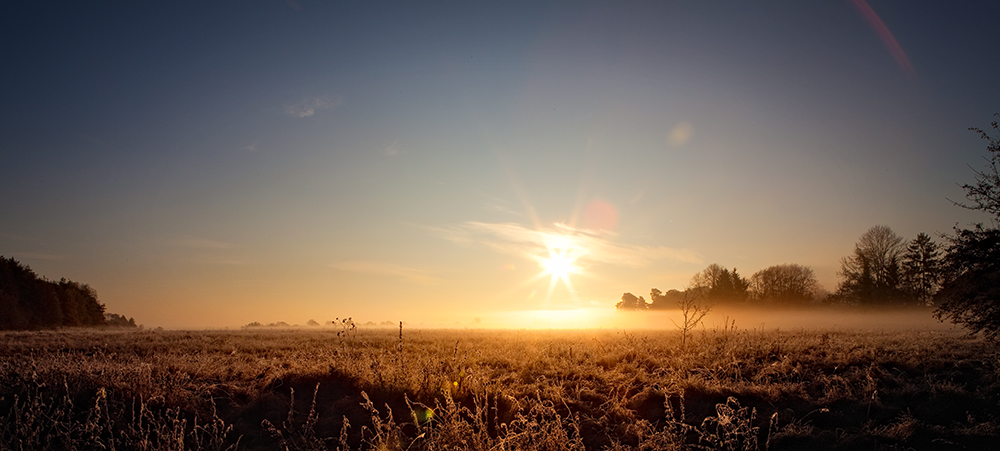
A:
x,y
560,262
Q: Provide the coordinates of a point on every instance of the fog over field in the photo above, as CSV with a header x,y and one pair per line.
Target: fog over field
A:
x,y
832,319
809,319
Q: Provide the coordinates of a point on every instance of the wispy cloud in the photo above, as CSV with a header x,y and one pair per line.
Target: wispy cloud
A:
x,y
387,269
252,147
587,246
309,107
638,196
496,204
392,149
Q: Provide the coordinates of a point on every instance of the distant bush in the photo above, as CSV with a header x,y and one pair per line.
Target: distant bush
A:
x,y
116,320
276,324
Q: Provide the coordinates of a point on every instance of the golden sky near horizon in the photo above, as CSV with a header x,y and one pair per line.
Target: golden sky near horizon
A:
x,y
437,163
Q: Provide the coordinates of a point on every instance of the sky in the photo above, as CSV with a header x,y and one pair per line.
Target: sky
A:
x,y
210,164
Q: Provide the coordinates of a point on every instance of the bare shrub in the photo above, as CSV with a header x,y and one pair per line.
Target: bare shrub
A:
x,y
693,310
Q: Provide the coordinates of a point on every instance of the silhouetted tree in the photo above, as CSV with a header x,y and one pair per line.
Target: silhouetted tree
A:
x,y
79,304
922,268
872,274
12,318
19,290
718,284
659,300
784,284
34,304
630,302
43,306
970,293
31,302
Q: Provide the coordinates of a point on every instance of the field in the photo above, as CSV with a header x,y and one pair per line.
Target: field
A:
x,y
390,389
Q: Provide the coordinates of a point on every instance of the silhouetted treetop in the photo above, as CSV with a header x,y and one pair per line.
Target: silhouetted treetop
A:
x,y
872,273
630,302
718,284
664,301
984,195
970,293
788,284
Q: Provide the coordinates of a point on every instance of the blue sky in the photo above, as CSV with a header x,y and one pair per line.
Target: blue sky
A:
x,y
216,163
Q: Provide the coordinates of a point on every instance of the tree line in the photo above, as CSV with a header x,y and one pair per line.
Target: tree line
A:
x,y
883,270
960,278
787,284
30,302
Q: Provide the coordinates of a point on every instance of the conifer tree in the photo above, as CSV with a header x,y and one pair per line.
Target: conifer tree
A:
x,y
922,268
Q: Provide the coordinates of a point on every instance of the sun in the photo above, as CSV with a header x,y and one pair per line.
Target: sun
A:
x,y
559,264
559,255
